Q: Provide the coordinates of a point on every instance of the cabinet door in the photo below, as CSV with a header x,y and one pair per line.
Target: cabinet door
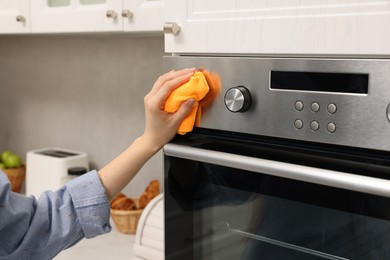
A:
x,y
14,16
143,15
51,16
328,27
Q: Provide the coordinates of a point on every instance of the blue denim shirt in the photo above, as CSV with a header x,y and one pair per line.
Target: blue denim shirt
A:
x,y
40,229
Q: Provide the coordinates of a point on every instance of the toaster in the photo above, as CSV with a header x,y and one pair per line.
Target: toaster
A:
x,y
47,168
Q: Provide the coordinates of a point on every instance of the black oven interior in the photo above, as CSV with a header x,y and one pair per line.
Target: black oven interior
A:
x,y
217,212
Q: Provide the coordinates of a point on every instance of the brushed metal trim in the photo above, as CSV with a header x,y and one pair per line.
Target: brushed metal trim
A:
x,y
362,120
325,177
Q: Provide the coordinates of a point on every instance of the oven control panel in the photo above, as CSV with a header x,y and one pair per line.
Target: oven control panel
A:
x,y
334,101
314,123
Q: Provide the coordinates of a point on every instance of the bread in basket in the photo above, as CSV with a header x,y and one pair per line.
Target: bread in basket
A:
x,y
126,211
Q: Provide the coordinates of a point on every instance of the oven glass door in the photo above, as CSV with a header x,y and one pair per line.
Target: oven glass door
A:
x,y
214,211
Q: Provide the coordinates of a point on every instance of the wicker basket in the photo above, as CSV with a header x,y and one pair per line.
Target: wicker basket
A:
x,y
126,221
16,176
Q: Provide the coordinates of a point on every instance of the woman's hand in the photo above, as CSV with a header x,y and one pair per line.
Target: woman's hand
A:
x,y
160,129
162,126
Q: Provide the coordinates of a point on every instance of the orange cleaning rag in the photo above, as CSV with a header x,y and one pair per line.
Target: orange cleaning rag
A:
x,y
203,86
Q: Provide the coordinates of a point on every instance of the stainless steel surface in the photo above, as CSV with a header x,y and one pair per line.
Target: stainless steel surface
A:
x,y
332,108
330,178
171,28
299,105
315,107
237,99
111,14
388,113
20,18
298,124
127,14
314,125
360,120
331,127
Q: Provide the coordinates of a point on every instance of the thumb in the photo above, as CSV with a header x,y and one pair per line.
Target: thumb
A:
x,y
184,109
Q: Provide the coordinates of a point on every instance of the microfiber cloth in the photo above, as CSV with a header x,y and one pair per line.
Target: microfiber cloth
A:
x,y
203,86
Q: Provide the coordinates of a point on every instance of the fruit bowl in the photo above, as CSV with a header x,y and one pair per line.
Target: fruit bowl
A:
x,y
16,176
11,165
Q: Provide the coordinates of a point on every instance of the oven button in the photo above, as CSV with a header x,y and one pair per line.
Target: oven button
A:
x,y
237,99
388,113
298,124
299,105
314,125
315,107
332,108
331,127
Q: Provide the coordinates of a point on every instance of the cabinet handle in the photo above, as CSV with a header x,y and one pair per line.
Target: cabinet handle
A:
x,y
171,28
20,18
127,14
111,14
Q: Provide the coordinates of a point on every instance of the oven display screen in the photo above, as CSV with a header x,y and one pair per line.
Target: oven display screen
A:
x,y
320,81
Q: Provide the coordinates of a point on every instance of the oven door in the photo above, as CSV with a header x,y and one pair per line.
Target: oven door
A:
x,y
268,199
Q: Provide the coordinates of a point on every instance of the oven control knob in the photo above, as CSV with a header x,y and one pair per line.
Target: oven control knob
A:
x,y
237,99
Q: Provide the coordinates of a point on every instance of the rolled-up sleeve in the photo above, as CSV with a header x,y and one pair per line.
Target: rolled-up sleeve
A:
x,y
40,229
91,204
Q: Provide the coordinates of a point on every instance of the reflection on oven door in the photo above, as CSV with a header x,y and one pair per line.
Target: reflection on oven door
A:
x,y
258,223
274,228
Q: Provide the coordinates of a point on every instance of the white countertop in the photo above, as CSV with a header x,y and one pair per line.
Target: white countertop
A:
x,y
114,245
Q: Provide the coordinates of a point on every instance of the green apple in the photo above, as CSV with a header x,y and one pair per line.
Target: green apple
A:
x,y
2,166
4,155
13,161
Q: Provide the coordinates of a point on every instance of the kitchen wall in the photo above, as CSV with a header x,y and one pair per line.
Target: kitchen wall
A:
x,y
80,92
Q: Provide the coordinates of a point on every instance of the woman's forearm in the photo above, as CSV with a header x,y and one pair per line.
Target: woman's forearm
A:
x,y
120,171
160,128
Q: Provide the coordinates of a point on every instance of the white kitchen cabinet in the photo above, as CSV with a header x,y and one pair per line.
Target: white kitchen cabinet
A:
x,y
143,15
57,16
14,16
53,16
302,27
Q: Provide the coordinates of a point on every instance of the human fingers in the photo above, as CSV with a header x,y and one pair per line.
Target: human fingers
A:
x,y
162,94
169,76
160,81
184,109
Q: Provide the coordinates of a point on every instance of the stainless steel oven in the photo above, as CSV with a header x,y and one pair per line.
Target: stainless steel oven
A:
x,y
292,161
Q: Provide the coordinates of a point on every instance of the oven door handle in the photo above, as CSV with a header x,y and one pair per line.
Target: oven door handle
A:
x,y
343,180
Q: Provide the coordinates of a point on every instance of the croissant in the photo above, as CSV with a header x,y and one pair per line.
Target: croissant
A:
x,y
122,202
151,191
